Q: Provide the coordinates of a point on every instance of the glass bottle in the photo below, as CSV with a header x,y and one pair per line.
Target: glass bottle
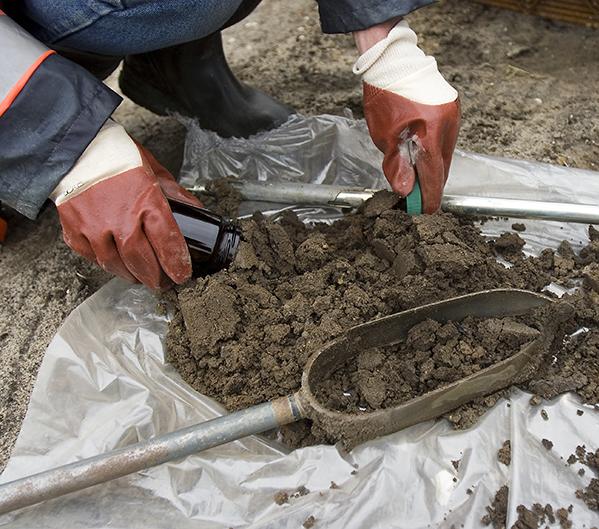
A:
x,y
212,240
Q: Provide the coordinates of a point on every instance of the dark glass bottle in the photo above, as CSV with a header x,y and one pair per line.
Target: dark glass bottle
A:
x,y
212,240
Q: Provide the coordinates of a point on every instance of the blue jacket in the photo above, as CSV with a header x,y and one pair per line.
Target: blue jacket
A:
x,y
51,108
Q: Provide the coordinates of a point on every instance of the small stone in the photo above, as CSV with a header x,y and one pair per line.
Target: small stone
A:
x,y
545,415
517,52
562,516
333,485
547,444
535,400
310,522
509,243
581,472
281,497
300,491
580,413
519,226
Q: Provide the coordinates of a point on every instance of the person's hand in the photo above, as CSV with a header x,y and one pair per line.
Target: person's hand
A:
x,y
113,211
412,113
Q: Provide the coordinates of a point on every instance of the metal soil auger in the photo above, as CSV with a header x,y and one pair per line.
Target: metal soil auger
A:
x,y
354,427
353,197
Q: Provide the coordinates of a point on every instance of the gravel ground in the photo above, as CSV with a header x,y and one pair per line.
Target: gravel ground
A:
x,y
528,90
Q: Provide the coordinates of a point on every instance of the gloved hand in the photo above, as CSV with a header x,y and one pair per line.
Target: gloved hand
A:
x,y
413,114
113,211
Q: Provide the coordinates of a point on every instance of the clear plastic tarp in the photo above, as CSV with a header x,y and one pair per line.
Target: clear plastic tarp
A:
x,y
104,384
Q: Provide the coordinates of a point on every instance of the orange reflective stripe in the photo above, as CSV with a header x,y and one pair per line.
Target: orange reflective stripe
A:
x,y
20,84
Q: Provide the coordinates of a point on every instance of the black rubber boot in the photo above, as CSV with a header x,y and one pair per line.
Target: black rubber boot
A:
x,y
194,79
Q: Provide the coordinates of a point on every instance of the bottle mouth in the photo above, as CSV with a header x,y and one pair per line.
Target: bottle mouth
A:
x,y
228,246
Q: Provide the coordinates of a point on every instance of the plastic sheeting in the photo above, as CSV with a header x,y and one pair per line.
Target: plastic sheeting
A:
x,y
337,150
104,384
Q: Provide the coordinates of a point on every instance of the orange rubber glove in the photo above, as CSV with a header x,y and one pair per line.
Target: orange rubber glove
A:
x,y
113,211
412,113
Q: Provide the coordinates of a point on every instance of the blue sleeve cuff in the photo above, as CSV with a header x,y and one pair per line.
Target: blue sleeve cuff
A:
x,y
46,129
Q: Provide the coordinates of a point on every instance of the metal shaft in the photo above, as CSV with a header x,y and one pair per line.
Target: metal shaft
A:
x,y
299,193
522,209
351,197
118,463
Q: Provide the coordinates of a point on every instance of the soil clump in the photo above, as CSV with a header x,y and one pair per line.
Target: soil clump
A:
x,y
244,335
533,517
504,454
228,201
497,511
590,494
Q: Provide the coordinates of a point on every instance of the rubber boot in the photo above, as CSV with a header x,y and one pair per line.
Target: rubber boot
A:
x,y
194,79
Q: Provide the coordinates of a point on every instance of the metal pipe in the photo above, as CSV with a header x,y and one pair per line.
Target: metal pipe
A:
x,y
352,197
521,209
121,462
299,193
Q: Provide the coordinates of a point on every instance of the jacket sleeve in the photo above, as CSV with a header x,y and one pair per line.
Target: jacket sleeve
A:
x,y
50,110
345,16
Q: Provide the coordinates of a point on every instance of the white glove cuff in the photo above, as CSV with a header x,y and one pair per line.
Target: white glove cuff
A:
x,y
398,65
110,153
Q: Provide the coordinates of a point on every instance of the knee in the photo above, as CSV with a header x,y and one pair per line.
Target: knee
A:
x,y
146,25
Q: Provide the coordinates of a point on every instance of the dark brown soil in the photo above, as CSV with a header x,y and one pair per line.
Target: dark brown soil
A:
x,y
504,454
534,517
497,511
281,497
538,516
243,336
588,458
228,201
547,444
518,226
590,494
310,522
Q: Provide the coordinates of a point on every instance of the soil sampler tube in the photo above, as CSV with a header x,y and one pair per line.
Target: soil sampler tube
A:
x,y
212,240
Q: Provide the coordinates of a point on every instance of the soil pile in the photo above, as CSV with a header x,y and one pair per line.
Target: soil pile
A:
x,y
243,336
